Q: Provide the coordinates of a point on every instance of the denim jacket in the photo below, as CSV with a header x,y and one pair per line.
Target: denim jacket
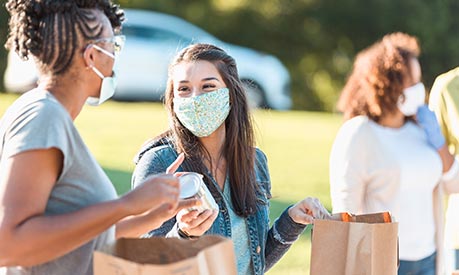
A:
x,y
267,245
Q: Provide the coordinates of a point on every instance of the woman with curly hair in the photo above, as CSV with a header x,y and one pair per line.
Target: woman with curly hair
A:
x,y
57,204
390,154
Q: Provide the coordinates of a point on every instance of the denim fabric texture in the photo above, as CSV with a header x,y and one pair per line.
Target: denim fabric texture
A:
x,y
267,245
424,266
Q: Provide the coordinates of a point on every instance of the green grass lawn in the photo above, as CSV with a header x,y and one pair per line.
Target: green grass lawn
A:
x,y
296,143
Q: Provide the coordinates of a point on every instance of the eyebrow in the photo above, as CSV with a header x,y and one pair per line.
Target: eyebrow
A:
x,y
204,79
210,78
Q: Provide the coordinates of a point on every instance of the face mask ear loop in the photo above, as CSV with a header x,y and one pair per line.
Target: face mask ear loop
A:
x,y
104,51
97,72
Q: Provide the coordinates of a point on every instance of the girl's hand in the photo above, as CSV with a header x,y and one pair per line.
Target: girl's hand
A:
x,y
176,164
191,222
194,223
164,213
305,211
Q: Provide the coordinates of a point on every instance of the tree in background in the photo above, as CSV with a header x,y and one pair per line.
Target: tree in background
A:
x,y
317,39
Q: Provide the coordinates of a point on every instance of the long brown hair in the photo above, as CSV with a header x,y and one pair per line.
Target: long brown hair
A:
x,y
379,75
238,148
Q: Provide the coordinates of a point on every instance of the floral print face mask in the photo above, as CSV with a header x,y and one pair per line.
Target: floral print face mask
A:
x,y
203,114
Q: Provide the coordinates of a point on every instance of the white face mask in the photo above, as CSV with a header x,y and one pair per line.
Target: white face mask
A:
x,y
107,89
108,86
413,97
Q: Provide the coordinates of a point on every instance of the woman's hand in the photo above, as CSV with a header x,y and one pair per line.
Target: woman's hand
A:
x,y
193,223
164,213
151,194
305,211
165,185
427,120
161,193
136,226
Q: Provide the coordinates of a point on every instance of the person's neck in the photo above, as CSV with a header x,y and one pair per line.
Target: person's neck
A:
x,y
69,92
217,163
214,143
395,120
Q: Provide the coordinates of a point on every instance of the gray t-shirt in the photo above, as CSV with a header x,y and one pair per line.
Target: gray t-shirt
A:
x,y
38,121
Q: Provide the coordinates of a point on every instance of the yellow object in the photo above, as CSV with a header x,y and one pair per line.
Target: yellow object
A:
x,y
444,101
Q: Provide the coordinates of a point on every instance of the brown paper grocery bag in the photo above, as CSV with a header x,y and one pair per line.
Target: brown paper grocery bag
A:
x,y
361,246
205,256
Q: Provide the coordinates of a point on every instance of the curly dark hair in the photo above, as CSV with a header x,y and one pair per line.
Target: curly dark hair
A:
x,y
238,149
379,76
50,30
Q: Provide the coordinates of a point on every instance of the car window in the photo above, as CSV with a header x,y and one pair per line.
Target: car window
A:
x,y
154,34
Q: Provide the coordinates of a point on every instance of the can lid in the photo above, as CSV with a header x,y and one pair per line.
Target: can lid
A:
x,y
189,184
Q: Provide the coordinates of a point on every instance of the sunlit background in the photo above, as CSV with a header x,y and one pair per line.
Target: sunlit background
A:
x,y
315,40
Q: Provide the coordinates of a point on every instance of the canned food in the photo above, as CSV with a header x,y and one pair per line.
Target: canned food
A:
x,y
193,187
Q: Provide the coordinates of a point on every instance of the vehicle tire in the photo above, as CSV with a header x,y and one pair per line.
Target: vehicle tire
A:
x,y
255,95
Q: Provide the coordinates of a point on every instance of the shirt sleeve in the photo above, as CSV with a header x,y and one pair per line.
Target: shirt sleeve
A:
x,y
262,174
347,172
41,125
444,102
450,179
281,236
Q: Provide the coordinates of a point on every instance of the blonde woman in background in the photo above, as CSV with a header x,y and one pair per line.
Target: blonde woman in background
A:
x,y
444,100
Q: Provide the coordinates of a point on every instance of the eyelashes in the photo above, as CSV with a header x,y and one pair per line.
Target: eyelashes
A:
x,y
205,87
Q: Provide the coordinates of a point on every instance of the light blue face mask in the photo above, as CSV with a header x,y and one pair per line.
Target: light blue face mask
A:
x,y
203,114
108,86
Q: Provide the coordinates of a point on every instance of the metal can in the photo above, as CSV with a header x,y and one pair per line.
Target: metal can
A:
x,y
192,186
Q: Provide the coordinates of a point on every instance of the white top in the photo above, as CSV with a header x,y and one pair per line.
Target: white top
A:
x,y
38,121
419,167
374,169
